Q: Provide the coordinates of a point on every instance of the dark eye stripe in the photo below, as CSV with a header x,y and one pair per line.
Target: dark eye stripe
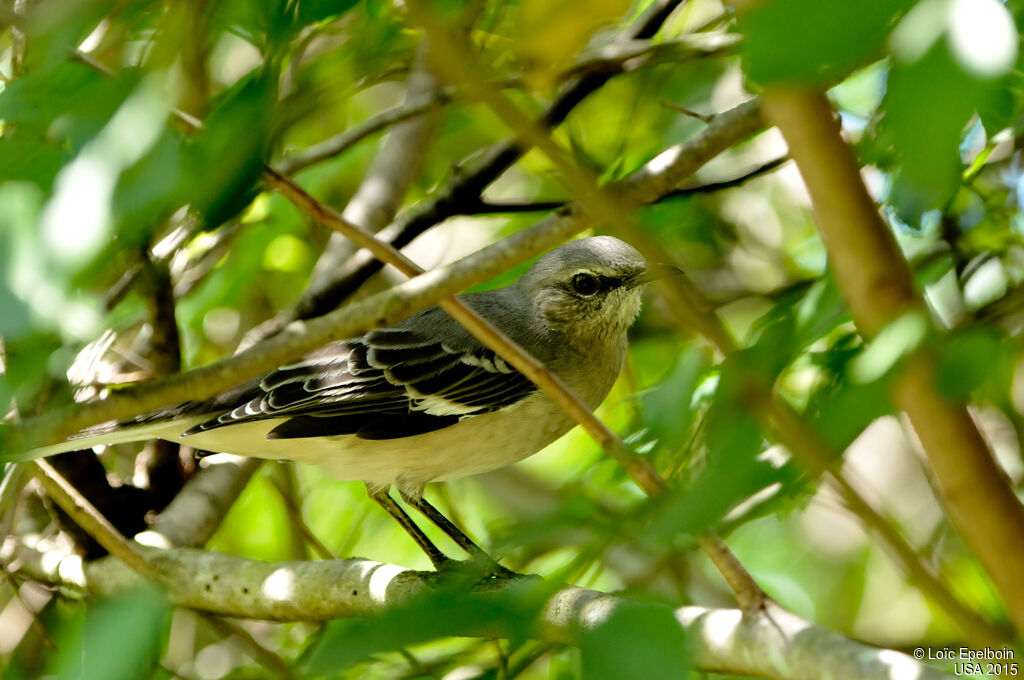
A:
x,y
607,282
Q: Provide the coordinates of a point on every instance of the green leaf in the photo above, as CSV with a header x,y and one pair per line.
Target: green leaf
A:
x,y
151,189
222,167
928,145
807,41
799,318
67,104
899,339
635,641
668,408
976,364
733,469
312,11
122,637
28,158
456,609
843,410
842,407
58,27
266,24
1000,106
28,356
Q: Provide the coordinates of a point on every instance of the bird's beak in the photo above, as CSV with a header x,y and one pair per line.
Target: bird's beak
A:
x,y
654,273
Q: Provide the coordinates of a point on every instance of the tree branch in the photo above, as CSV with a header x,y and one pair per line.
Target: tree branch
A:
x,y
511,207
196,512
771,644
86,516
343,141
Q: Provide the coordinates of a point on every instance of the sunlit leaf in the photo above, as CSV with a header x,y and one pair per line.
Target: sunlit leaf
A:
x,y
842,407
976,363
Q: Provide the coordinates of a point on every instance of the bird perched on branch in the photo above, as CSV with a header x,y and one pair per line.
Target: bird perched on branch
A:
x,y
423,400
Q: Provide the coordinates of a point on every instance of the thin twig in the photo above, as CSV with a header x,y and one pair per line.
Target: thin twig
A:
x,y
257,652
90,519
338,144
510,207
284,483
702,117
739,180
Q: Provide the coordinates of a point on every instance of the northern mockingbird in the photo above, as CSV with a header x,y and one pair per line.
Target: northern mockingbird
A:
x,y
424,400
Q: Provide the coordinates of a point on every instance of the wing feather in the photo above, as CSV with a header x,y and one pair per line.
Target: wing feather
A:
x,y
391,383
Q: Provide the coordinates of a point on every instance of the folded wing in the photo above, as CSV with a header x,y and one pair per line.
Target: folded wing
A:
x,y
389,384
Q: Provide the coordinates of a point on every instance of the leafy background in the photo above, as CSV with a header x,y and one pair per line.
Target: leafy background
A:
x,y
95,168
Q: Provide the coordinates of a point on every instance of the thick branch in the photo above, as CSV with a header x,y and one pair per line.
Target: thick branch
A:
x,y
196,512
770,644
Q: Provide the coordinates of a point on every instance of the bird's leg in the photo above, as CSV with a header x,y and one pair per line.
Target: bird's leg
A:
x,y
447,526
382,498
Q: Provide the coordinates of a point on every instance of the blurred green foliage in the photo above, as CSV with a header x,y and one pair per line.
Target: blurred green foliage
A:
x,y
125,127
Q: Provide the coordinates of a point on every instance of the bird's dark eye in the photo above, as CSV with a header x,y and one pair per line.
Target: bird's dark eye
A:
x,y
585,284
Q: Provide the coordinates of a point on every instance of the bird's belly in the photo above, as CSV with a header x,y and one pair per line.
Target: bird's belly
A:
x,y
474,445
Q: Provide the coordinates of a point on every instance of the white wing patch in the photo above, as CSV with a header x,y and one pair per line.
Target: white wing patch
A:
x,y
391,383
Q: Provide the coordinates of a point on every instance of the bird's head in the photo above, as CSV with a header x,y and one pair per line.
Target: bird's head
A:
x,y
589,288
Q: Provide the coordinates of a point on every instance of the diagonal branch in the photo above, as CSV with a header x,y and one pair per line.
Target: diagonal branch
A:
x,y
82,512
343,141
495,207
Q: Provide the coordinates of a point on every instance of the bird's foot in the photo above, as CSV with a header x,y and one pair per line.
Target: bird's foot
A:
x,y
479,569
